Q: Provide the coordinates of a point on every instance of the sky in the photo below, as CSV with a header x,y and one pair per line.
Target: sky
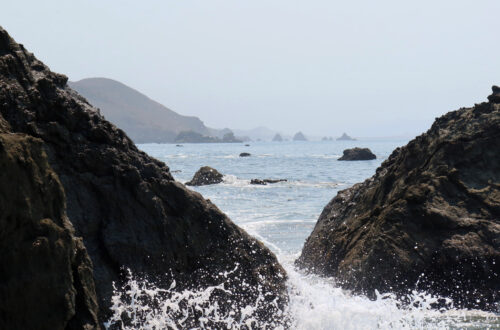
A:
x,y
369,68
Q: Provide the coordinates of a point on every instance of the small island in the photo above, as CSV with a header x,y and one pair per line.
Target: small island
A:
x,y
277,138
299,137
345,137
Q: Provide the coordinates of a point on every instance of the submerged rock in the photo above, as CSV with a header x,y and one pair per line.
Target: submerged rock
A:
x,y
46,274
429,219
266,181
205,176
130,212
358,154
245,154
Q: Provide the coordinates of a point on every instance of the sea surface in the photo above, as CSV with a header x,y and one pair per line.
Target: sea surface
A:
x,y
282,216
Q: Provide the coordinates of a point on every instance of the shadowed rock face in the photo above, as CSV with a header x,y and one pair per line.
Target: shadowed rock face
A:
x,y
124,204
46,274
358,154
430,214
205,176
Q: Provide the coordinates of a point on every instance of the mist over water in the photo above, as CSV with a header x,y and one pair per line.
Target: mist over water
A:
x,y
282,215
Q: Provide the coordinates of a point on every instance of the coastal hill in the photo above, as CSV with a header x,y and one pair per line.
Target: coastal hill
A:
x,y
143,119
86,206
429,219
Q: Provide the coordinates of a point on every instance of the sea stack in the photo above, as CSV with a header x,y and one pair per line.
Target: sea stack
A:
x,y
277,138
429,219
345,137
123,207
299,137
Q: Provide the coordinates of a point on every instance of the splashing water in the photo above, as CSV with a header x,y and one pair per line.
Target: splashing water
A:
x,y
281,216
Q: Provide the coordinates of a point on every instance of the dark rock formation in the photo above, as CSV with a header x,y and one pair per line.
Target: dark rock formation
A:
x,y
299,137
46,274
277,138
205,176
495,97
266,181
125,205
245,154
358,154
428,219
345,137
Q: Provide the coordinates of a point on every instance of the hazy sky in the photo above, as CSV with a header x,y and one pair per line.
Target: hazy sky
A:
x,y
370,68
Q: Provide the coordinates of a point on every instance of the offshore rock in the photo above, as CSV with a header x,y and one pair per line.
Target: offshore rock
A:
x,y
205,176
46,274
277,138
358,154
245,154
345,137
266,181
125,205
299,137
429,219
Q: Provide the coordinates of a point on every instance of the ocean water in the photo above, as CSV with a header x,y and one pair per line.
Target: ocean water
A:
x,y
282,215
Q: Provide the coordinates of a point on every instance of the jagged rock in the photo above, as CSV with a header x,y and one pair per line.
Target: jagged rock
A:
x,y
46,274
245,154
345,137
495,96
299,137
205,176
266,181
277,138
358,154
429,219
125,205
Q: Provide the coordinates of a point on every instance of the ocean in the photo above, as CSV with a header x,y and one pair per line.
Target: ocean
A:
x,y
282,215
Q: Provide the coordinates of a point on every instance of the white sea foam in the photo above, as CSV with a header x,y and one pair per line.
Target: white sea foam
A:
x,y
315,303
282,216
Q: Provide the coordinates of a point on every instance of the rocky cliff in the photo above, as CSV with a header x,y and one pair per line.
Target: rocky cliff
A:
x,y
125,205
429,219
46,274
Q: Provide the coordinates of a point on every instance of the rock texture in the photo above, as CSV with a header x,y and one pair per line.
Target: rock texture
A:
x,y
127,207
46,274
205,176
428,219
358,154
